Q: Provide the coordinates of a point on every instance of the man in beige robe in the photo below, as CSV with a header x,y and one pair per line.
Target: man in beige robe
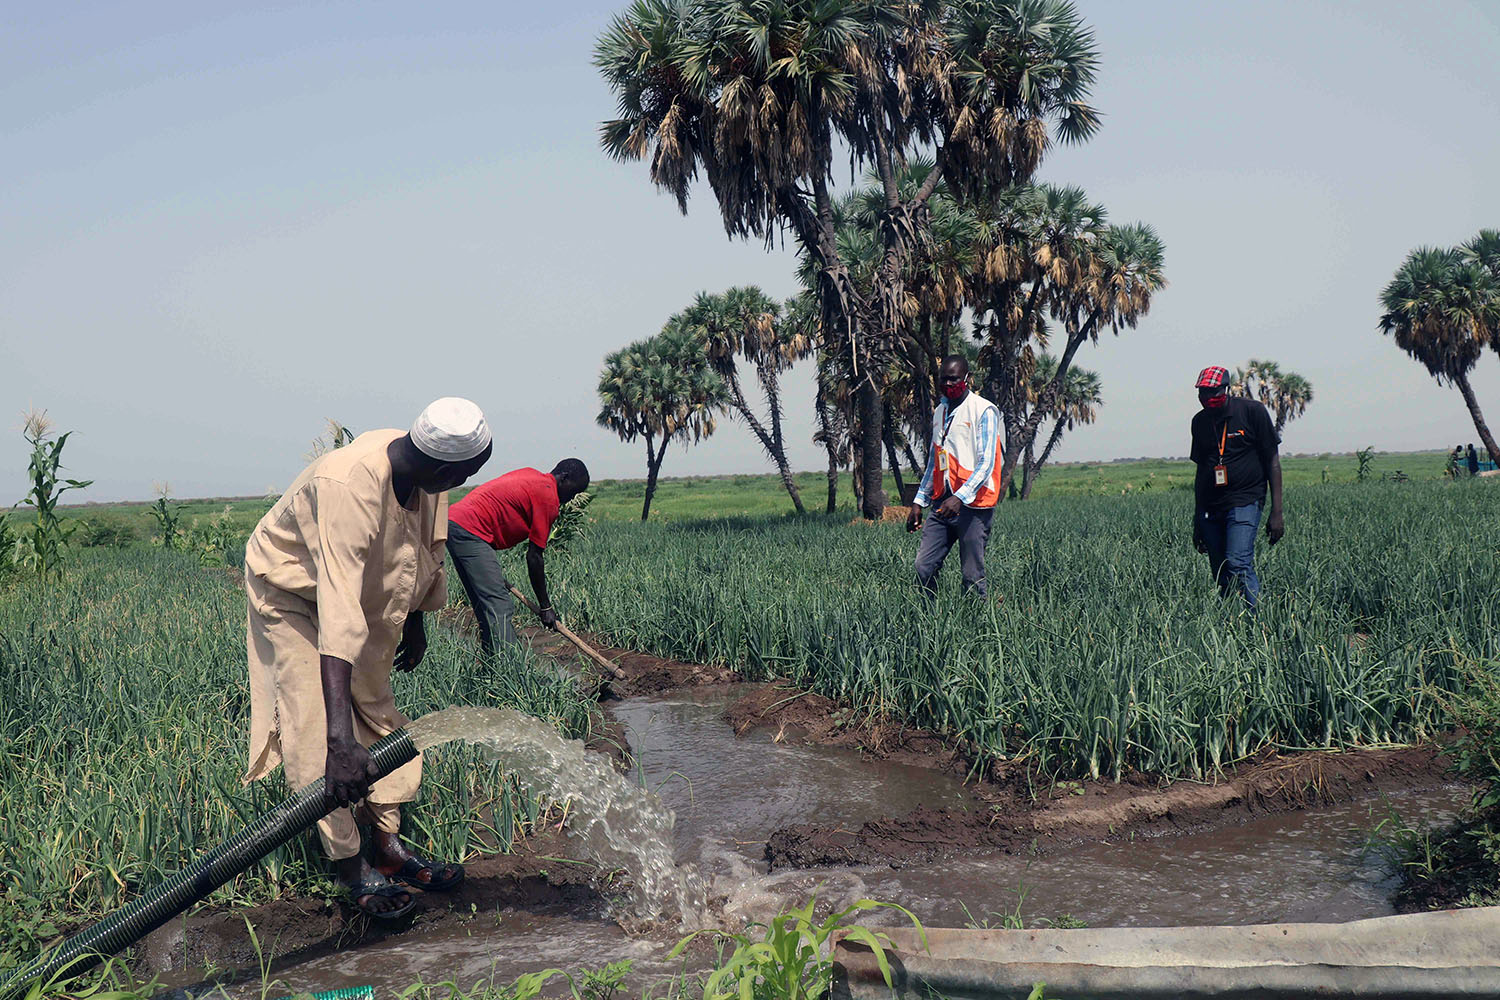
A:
x,y
338,574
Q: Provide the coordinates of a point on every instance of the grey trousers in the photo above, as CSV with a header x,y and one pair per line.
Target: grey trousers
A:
x,y
971,530
489,592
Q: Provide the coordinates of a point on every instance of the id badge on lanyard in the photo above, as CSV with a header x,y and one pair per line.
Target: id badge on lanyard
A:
x,y
1221,471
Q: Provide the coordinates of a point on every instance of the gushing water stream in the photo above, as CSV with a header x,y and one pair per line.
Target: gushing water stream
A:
x,y
617,823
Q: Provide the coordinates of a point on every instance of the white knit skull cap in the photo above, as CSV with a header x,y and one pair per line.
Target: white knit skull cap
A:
x,y
451,429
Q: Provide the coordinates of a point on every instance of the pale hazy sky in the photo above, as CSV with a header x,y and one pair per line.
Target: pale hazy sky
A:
x,y
219,227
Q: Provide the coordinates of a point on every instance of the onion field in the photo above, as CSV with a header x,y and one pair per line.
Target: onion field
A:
x,y
1111,651
123,701
123,709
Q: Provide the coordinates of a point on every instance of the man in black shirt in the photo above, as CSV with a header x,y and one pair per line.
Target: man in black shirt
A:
x,y
1234,446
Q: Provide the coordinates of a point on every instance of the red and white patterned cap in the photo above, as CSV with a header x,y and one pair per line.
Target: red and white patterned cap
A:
x,y
1212,377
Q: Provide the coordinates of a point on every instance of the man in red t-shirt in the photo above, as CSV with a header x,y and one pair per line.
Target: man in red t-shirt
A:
x,y
519,506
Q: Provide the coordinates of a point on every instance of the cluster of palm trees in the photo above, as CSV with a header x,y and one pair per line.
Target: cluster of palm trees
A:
x,y
1443,308
1034,261
1286,394
659,390
949,106
673,386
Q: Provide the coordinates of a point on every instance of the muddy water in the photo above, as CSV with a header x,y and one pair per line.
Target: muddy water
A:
x,y
729,794
1316,866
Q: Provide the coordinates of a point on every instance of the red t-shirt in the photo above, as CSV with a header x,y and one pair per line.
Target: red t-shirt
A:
x,y
506,511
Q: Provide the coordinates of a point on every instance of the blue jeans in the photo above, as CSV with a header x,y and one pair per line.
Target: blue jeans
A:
x,y
971,530
484,581
1230,537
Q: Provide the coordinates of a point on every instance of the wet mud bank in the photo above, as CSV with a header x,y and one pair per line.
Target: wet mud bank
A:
x,y
537,877
1009,821
645,674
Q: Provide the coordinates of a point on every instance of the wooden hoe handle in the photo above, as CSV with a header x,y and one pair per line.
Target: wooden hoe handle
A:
x,y
587,650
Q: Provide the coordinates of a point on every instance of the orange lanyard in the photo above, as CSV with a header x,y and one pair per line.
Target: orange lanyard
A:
x,y
1223,436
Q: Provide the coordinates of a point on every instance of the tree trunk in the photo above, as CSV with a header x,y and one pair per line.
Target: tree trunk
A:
x,y
653,466
830,443
770,383
1001,390
890,454
769,440
1027,467
1462,381
856,471
911,459
1047,401
925,378
790,482
1032,476
872,496
833,479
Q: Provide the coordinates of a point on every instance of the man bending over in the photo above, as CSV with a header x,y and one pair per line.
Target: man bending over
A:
x,y
500,514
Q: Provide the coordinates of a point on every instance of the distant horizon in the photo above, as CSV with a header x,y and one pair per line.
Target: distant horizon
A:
x,y
483,476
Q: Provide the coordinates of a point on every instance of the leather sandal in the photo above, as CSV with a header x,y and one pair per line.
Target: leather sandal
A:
x,y
385,889
411,873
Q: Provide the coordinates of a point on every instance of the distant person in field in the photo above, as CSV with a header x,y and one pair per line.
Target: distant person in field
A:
x,y
518,506
1473,460
338,574
962,478
1235,447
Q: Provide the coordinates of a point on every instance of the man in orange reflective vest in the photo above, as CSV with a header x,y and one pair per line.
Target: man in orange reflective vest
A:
x,y
962,477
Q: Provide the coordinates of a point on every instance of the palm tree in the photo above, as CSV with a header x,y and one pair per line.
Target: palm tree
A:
x,y
1484,250
1112,289
1285,394
1043,242
745,323
763,97
1077,404
1443,308
660,389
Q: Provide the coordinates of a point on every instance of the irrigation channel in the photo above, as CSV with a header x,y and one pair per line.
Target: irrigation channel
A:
x,y
732,794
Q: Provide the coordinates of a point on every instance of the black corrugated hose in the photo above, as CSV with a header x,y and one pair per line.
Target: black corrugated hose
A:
x,y
130,923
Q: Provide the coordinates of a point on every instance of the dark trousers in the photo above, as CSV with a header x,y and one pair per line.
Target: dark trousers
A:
x,y
971,530
485,583
1230,538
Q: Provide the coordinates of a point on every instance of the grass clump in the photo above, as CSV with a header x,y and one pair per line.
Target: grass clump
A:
x,y
1460,865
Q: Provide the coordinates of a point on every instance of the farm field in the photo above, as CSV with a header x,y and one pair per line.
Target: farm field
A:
x,y
1110,651
692,497
1109,656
